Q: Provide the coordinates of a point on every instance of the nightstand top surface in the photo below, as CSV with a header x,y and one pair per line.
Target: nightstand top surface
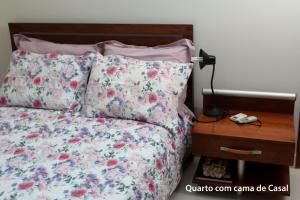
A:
x,y
277,127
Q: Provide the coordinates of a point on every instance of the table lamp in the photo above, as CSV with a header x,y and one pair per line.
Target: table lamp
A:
x,y
205,59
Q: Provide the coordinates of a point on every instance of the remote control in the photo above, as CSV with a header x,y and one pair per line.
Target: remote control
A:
x,y
243,118
246,120
237,117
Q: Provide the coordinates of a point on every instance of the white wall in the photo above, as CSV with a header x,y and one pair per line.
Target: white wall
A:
x,y
256,42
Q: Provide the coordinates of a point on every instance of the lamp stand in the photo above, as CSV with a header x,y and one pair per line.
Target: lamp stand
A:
x,y
214,111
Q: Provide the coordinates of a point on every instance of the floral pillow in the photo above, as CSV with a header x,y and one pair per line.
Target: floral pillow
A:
x,y
51,81
127,88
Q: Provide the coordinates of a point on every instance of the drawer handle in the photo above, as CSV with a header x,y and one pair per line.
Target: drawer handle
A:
x,y
241,152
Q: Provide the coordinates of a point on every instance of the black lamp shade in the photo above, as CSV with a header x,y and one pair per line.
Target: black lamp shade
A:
x,y
207,59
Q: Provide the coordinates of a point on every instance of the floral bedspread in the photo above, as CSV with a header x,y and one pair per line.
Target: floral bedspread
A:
x,y
55,155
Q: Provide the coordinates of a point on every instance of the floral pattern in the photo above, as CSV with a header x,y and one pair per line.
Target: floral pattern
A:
x,y
47,154
127,88
52,81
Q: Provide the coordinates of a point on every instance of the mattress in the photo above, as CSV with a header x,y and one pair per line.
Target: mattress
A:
x,y
55,155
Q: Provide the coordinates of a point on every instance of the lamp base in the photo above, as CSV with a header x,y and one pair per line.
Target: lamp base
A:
x,y
214,112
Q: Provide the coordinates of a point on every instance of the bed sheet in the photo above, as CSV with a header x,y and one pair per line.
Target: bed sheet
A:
x,y
55,155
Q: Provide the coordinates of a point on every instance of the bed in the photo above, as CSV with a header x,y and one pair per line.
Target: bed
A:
x,y
48,154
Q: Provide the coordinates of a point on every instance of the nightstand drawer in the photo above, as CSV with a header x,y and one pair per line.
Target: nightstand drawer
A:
x,y
243,149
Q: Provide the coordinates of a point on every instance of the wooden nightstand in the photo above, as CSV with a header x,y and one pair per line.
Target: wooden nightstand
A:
x,y
268,150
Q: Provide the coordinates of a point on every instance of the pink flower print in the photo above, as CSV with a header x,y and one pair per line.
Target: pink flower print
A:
x,y
101,114
152,97
152,73
141,123
100,121
73,105
5,81
179,130
159,164
37,104
19,151
32,136
53,55
24,115
112,162
119,145
74,140
22,53
64,156
151,187
3,101
190,118
87,53
173,145
110,93
25,185
37,81
78,192
61,117
111,70
73,85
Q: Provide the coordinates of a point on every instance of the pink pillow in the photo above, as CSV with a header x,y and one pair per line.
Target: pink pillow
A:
x,y
180,51
43,47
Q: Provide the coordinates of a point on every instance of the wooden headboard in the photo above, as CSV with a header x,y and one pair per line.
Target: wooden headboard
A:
x,y
136,34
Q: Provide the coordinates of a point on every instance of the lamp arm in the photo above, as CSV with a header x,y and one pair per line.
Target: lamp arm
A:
x,y
212,81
